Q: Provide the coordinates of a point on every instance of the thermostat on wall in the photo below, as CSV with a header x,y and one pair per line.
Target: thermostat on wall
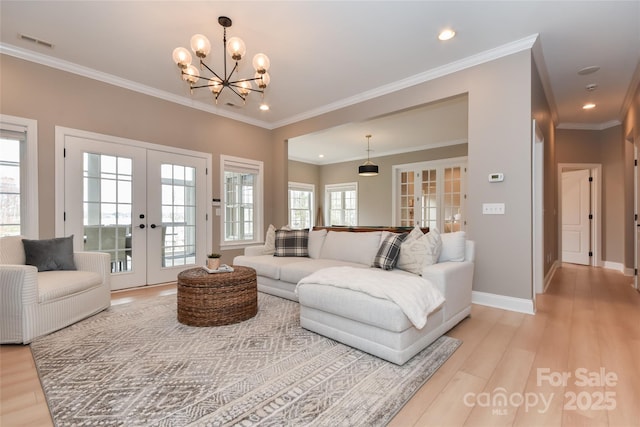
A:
x,y
496,177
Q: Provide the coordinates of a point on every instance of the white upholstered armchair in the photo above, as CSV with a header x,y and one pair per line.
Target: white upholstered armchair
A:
x,y
35,303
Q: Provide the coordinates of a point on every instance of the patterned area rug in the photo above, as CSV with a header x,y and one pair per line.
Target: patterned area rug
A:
x,y
135,365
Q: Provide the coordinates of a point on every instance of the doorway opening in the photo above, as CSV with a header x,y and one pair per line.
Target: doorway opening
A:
x,y
579,213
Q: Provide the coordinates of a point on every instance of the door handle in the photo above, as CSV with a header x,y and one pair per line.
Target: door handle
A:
x,y
152,226
141,226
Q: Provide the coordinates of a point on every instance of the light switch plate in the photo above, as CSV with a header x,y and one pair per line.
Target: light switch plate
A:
x,y
493,208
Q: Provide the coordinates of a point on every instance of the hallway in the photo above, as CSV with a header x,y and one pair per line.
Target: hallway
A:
x,y
589,319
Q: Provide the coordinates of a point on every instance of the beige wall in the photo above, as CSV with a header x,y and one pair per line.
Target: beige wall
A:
x,y
306,173
606,148
578,146
499,141
613,195
542,115
631,134
56,98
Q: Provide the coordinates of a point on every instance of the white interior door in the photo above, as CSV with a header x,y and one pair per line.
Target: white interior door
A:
x,y
144,207
576,227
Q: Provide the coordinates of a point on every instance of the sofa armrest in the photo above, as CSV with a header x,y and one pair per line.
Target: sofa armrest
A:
x,y
19,285
98,262
19,288
454,280
255,250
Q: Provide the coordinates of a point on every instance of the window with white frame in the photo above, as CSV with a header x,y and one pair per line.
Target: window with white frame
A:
x,y
431,194
18,177
341,201
301,198
242,201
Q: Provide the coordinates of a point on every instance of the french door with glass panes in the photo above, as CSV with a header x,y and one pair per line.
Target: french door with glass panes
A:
x,y
431,194
143,207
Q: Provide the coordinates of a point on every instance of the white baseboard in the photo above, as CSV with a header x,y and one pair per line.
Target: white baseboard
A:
x,y
618,266
504,302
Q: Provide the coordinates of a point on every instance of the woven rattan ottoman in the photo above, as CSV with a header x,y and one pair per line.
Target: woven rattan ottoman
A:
x,y
217,299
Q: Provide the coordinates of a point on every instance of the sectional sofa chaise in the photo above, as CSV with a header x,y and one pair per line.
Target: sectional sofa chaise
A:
x,y
382,312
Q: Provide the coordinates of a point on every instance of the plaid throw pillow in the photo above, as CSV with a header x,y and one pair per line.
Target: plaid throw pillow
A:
x,y
292,243
389,251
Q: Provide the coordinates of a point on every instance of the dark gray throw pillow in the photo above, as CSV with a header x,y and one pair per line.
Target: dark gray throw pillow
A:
x,y
50,254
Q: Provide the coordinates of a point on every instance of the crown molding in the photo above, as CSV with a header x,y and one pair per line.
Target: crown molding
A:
x,y
468,62
589,126
70,67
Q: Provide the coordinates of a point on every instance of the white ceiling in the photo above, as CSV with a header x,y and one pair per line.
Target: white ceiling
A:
x,y
326,55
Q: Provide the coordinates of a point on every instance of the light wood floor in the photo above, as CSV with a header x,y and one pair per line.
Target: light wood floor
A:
x,y
587,326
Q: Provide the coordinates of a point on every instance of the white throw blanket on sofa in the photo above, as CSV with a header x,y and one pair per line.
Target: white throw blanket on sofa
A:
x,y
416,296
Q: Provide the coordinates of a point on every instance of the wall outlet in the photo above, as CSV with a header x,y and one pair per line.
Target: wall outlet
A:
x,y
493,208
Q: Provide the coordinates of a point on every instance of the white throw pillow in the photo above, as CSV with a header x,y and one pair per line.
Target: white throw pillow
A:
x,y
316,239
415,234
405,256
270,241
453,246
419,253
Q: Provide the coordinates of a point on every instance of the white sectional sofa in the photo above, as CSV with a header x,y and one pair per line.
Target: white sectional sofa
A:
x,y
375,324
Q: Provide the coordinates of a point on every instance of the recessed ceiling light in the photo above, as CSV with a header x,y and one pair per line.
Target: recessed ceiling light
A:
x,y
588,70
264,107
589,106
321,156
446,34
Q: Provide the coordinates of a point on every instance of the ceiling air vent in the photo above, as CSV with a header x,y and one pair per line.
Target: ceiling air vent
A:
x,y
35,40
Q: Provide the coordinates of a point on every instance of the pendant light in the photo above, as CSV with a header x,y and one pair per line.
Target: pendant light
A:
x,y
368,168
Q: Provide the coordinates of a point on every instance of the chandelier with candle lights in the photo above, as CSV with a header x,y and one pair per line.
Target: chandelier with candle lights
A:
x,y
235,47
